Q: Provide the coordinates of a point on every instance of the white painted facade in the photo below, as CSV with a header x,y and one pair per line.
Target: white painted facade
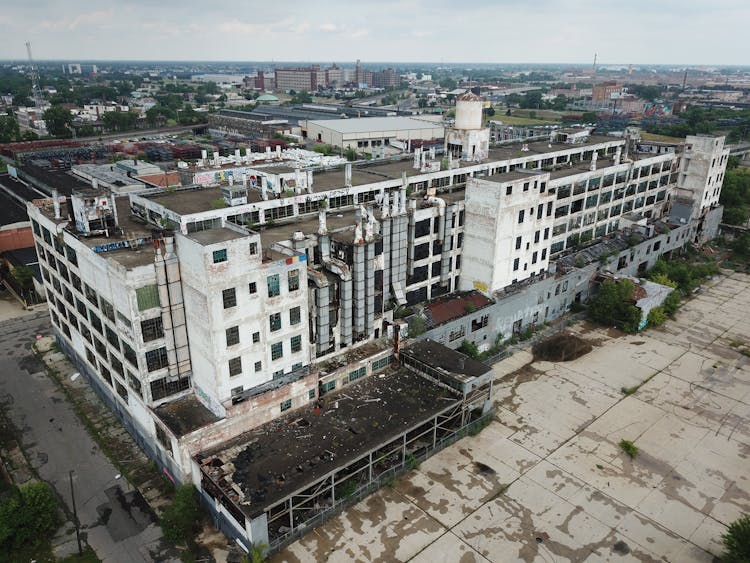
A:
x,y
511,235
246,307
701,170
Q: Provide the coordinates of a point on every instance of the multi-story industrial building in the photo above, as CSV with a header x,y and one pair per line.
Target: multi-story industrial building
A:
x,y
299,78
207,312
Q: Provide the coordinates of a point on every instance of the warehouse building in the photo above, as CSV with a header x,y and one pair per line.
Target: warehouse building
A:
x,y
366,133
210,314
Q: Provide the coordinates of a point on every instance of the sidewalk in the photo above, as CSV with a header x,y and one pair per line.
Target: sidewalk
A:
x,y
115,442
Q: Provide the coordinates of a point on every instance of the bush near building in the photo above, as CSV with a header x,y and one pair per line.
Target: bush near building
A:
x,y
613,305
685,275
737,541
180,519
28,516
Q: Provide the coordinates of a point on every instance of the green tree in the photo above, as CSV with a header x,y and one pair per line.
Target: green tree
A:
x,y
9,130
119,120
302,97
58,120
589,117
448,83
27,516
532,99
737,541
469,348
24,276
612,305
181,517
656,317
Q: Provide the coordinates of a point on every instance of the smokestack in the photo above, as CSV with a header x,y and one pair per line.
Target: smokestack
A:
x,y
384,211
56,203
322,227
396,344
348,175
204,156
237,154
593,161
216,158
402,210
244,180
417,152
618,155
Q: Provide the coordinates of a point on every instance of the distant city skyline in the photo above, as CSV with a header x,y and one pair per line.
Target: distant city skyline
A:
x,y
483,31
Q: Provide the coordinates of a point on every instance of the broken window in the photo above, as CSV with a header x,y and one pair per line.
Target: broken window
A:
x,y
294,316
273,285
274,322
152,329
293,280
286,405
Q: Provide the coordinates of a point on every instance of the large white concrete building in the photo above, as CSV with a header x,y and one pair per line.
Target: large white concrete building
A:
x,y
198,322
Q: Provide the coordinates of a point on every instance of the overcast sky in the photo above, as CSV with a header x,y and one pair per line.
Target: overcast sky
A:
x,y
567,31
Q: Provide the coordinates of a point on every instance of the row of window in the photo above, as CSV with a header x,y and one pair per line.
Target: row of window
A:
x,y
273,282
277,352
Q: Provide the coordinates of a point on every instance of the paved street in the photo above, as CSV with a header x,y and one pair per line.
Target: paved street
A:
x,y
548,481
115,520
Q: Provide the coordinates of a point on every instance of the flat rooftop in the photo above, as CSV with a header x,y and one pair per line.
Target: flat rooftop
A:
x,y
185,415
445,309
47,180
133,229
444,359
195,200
285,455
542,147
214,236
513,175
374,124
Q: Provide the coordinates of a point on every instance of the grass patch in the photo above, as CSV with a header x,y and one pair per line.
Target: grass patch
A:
x,y
518,120
629,448
411,462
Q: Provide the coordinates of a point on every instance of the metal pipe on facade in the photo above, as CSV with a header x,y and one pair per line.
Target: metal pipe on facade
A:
x,y
370,289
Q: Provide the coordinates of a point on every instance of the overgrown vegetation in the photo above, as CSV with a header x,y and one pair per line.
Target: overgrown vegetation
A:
x,y
416,326
629,448
257,554
28,516
656,317
476,427
735,193
613,305
685,275
181,517
736,541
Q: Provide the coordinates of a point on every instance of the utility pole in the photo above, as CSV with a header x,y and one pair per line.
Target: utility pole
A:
x,y
75,514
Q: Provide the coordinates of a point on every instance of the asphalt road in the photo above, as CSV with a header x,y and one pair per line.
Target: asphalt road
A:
x,y
115,520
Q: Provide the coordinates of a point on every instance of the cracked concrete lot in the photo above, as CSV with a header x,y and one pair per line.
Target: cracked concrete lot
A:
x,y
547,481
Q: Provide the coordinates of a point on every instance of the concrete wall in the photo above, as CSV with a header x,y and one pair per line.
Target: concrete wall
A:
x,y
549,298
497,219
